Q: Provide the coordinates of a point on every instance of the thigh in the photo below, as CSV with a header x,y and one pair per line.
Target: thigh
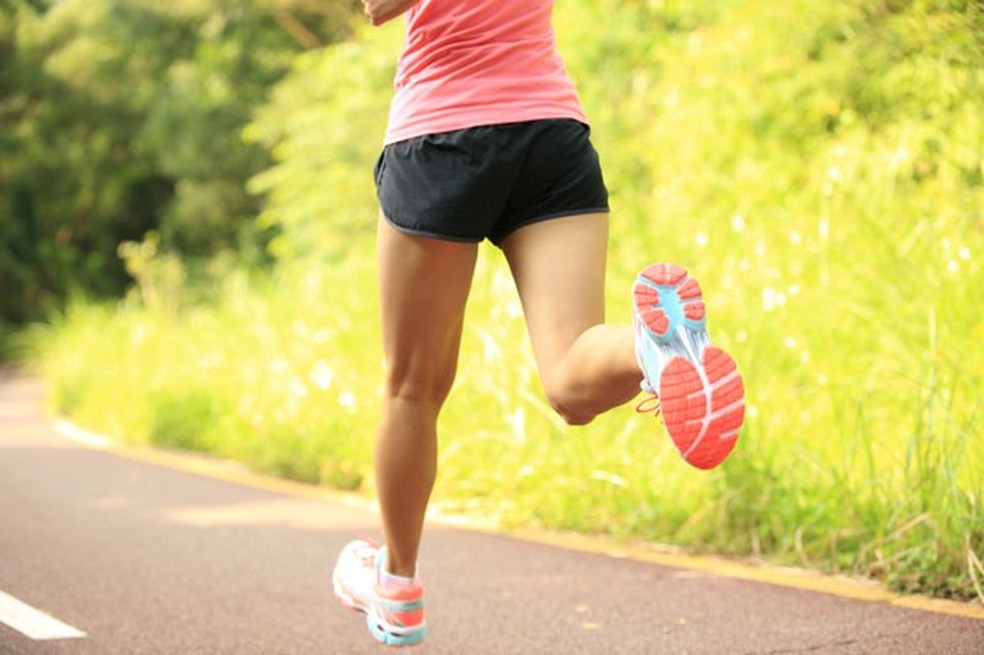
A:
x,y
423,289
559,269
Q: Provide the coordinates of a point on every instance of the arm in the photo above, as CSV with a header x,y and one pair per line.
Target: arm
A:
x,y
381,11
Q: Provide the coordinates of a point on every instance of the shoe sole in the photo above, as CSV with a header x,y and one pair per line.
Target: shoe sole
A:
x,y
702,395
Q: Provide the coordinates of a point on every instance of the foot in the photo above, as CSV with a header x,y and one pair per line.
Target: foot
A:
x,y
701,394
394,612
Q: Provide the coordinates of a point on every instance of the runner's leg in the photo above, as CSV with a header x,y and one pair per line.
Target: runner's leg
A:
x,y
587,367
423,287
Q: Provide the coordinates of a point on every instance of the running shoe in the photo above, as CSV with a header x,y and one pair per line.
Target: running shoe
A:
x,y
700,391
395,616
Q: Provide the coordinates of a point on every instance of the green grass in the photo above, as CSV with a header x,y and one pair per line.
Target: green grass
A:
x,y
818,168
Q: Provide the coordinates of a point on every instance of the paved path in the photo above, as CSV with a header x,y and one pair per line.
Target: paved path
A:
x,y
147,557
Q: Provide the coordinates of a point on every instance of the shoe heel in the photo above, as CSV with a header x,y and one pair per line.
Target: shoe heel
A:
x,y
667,298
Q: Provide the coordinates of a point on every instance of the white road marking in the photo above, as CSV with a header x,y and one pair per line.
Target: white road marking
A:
x,y
34,623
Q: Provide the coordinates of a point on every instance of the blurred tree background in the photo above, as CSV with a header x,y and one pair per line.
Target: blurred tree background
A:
x,y
122,118
186,224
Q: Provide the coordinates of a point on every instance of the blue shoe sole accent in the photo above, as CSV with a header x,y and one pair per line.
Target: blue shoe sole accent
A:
x,y
683,337
673,308
391,639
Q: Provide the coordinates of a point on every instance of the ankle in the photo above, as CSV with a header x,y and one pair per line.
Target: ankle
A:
x,y
399,570
393,582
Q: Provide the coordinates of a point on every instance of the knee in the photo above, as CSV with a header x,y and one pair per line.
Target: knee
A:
x,y
573,417
428,387
568,404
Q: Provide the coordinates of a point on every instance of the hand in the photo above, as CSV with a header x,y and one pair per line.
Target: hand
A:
x,y
381,11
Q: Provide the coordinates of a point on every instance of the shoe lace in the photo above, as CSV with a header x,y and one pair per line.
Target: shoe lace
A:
x,y
649,405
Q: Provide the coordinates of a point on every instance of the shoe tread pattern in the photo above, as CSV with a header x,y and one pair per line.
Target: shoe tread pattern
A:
x,y
701,390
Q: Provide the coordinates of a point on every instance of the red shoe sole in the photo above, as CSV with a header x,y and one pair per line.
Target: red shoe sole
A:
x,y
703,412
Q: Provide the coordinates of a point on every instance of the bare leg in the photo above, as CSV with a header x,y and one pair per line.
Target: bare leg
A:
x,y
423,286
587,367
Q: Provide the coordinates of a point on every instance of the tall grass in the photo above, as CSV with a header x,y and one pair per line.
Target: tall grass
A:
x,y
818,168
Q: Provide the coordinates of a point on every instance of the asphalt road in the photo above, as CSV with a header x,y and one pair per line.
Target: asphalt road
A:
x,y
146,557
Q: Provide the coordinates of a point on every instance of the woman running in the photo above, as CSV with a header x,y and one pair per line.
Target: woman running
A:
x,y
487,139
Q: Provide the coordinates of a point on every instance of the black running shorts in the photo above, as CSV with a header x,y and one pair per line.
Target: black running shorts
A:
x,y
486,182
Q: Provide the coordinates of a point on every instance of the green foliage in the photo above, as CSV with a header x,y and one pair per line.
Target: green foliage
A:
x,y
160,277
180,419
819,167
123,116
325,125
50,235
258,377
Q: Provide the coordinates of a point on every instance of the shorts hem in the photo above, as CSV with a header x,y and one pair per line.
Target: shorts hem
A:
x,y
415,232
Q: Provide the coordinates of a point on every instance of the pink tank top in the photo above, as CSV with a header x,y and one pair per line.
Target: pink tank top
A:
x,y
467,63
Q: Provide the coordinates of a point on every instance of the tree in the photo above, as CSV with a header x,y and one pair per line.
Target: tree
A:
x,y
118,117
